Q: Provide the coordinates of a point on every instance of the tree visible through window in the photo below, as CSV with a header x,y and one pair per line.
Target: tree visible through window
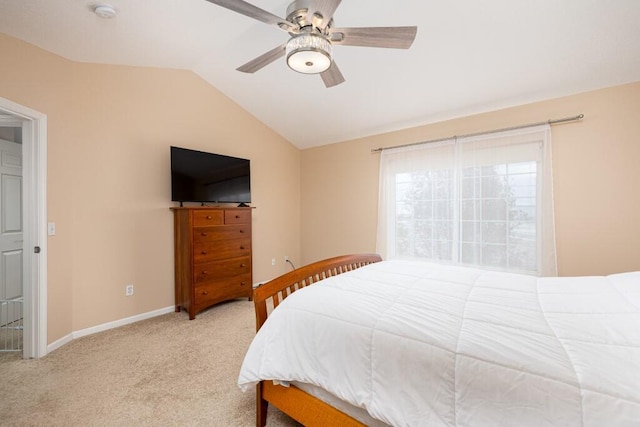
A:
x,y
477,203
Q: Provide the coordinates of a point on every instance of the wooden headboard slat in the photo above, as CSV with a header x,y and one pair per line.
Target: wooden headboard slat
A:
x,y
274,292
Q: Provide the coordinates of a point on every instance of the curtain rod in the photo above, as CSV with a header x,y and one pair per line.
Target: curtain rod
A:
x,y
548,122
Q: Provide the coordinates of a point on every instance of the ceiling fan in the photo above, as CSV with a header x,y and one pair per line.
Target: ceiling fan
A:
x,y
311,27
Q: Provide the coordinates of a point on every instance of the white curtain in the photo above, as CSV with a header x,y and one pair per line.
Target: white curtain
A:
x,y
484,201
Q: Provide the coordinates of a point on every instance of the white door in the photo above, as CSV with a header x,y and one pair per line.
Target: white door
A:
x,y
11,246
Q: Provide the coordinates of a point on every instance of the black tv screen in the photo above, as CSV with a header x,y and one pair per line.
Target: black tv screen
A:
x,y
202,177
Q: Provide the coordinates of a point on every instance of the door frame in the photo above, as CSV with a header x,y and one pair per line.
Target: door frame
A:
x,y
34,176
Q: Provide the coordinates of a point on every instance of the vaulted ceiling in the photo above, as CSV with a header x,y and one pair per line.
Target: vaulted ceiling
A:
x,y
468,56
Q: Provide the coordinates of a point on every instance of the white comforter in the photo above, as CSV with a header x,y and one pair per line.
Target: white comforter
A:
x,y
419,344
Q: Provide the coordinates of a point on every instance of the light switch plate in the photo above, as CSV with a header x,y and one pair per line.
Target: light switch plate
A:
x,y
51,229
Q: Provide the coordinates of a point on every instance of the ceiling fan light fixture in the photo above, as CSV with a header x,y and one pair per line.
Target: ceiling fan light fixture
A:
x,y
309,53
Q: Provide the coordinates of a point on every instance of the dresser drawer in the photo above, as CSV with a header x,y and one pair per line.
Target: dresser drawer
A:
x,y
221,289
204,218
237,216
221,249
212,234
218,269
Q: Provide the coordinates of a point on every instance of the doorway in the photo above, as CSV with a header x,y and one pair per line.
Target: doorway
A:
x,y
32,129
11,241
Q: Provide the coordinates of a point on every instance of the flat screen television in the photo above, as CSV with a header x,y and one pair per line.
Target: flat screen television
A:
x,y
202,177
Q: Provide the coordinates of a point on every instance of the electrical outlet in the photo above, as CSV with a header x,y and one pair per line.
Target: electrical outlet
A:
x,y
273,262
128,290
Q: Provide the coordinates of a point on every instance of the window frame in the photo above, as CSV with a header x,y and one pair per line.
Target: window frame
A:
x,y
531,140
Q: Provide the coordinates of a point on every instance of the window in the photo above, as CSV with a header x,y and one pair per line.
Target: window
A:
x,y
483,201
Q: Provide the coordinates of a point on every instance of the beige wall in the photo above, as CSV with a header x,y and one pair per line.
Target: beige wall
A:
x,y
109,132
596,181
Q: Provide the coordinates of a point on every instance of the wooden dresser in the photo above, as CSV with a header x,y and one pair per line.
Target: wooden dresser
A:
x,y
212,256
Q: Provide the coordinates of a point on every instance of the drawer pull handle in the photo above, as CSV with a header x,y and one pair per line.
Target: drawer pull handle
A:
x,y
237,216
242,247
204,252
242,231
241,265
242,283
208,216
205,293
204,234
205,272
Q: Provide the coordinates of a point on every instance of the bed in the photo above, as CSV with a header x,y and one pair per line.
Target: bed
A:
x,y
408,343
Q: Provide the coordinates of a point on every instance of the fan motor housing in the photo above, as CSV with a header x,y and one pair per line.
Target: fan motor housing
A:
x,y
298,14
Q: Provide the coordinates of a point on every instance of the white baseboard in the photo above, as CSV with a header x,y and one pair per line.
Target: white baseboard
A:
x,y
59,343
106,326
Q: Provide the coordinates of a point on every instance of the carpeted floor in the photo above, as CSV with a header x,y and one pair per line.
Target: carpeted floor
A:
x,y
166,371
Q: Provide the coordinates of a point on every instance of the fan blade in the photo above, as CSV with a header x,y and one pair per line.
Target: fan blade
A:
x,y
247,9
263,60
390,37
325,8
332,76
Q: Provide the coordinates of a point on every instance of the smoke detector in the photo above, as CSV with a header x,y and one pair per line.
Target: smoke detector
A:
x,y
105,11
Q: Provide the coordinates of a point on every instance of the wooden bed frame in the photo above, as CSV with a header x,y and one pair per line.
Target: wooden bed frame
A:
x,y
299,405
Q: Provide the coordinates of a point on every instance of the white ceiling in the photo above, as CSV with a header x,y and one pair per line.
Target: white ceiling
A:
x,y
469,56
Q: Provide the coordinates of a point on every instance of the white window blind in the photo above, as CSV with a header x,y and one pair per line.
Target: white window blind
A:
x,y
484,201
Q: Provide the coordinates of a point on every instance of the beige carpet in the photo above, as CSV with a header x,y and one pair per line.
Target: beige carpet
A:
x,y
166,371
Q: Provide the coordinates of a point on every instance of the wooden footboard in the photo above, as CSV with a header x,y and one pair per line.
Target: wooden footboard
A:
x,y
294,402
